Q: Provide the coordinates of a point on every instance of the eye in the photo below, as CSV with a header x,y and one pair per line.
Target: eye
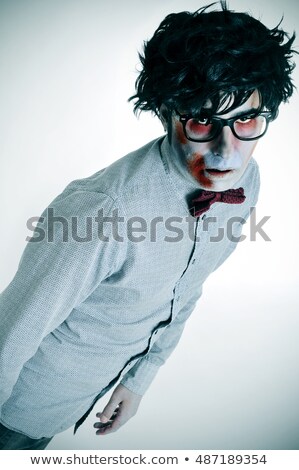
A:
x,y
202,121
246,119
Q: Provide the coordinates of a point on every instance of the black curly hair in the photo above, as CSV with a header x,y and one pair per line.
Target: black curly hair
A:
x,y
220,55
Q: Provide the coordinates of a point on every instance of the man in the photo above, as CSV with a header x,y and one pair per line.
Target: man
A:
x,y
117,261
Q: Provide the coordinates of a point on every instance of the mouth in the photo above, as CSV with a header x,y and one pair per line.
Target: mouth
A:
x,y
218,173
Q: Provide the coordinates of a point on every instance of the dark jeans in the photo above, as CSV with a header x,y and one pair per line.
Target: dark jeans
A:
x,y
12,440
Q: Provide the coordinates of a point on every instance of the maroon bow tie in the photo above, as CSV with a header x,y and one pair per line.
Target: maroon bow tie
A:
x,y
203,202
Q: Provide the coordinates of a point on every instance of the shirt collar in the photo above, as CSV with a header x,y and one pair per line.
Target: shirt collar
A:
x,y
183,183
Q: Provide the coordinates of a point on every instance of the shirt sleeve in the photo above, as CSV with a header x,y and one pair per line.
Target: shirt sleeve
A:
x,y
61,265
141,375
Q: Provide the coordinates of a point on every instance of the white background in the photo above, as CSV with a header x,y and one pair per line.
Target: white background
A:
x,y
67,68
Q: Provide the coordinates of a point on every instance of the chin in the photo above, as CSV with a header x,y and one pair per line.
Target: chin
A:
x,y
220,184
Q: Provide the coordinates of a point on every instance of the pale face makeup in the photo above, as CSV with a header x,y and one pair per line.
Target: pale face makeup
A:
x,y
219,164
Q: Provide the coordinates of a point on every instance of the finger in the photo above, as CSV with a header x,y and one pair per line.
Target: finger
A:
x,y
112,426
106,429
102,431
104,420
102,425
99,424
110,409
98,415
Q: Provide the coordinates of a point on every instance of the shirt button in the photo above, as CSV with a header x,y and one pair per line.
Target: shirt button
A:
x,y
193,261
155,332
203,217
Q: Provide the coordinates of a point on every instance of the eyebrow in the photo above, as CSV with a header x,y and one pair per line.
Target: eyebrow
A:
x,y
242,113
205,112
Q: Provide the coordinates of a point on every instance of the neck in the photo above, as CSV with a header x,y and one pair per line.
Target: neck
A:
x,y
178,166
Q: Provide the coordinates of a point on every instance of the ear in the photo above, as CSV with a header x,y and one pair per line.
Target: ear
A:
x,y
164,116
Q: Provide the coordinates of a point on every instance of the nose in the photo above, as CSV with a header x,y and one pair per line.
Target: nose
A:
x,y
223,145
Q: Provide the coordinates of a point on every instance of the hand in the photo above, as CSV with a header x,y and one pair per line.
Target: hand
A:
x,y
122,406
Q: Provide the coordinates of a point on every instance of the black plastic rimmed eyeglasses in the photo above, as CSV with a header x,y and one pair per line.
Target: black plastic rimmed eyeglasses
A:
x,y
248,126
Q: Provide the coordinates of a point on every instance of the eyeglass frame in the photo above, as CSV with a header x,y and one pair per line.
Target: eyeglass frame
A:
x,y
184,118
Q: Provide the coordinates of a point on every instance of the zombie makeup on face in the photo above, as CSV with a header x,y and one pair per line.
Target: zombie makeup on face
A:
x,y
180,133
216,164
196,167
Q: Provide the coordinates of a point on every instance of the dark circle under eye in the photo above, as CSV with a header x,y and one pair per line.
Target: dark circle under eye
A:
x,y
198,130
198,125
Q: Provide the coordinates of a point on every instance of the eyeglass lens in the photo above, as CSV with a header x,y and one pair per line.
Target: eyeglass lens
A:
x,y
244,127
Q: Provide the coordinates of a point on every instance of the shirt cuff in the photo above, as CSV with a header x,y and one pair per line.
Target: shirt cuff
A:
x,y
139,378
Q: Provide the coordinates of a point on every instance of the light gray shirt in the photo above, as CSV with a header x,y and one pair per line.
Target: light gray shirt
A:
x,y
99,300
